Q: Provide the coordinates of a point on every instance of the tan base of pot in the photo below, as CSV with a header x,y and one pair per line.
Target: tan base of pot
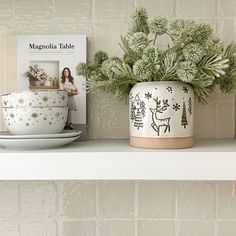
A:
x,y
140,142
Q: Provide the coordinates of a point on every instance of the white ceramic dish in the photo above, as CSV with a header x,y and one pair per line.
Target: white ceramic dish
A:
x,y
63,134
36,98
29,120
34,144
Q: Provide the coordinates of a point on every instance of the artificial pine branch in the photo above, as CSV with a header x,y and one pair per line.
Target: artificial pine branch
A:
x,y
194,56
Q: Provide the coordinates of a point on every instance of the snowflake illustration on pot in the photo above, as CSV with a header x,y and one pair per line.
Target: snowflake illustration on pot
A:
x,y
185,89
148,95
21,101
169,89
176,107
138,111
45,98
34,115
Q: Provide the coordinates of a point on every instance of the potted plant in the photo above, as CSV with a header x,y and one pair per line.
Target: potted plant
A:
x,y
161,83
36,75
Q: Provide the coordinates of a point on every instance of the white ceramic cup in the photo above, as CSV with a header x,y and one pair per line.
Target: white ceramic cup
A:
x,y
30,120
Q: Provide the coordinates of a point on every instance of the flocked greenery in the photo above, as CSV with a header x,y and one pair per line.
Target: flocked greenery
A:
x,y
35,73
195,55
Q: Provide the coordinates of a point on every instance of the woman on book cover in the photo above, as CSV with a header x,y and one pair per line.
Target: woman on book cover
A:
x,y
67,83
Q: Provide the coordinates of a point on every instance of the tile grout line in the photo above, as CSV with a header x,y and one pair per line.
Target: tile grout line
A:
x,y
136,208
53,8
220,34
219,20
3,44
88,41
14,13
126,219
216,208
97,210
93,17
176,213
19,209
234,93
170,18
175,7
131,219
58,209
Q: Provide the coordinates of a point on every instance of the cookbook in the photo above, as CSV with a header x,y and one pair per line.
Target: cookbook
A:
x,y
49,62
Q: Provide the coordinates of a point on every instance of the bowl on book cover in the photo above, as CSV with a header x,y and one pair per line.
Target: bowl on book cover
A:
x,y
73,92
36,98
35,120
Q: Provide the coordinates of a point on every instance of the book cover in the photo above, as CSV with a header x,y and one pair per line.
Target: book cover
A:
x,y
49,62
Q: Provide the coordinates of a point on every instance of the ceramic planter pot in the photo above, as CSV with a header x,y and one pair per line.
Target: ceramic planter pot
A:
x,y
36,98
29,120
161,115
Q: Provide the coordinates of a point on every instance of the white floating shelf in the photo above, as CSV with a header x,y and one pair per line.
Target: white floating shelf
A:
x,y
116,160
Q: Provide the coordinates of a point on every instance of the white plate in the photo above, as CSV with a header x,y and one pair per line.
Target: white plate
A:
x,y
64,134
34,144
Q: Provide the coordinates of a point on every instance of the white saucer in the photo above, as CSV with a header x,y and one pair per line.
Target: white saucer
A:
x,y
33,144
64,134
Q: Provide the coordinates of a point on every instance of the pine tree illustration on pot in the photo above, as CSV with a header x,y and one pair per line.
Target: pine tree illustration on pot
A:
x,y
161,82
161,115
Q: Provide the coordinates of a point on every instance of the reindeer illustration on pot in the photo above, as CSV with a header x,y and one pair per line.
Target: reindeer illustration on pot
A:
x,y
157,123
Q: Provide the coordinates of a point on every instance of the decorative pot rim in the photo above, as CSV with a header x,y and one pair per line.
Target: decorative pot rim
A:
x,y
162,82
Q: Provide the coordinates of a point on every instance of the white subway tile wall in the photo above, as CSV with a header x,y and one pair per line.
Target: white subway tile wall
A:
x,y
116,208
116,199
156,227
196,228
201,201
156,200
77,200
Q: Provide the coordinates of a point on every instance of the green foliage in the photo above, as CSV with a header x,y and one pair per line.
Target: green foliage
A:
x,y
151,54
158,25
186,71
143,70
139,21
138,42
213,65
100,57
195,55
35,73
193,52
227,82
168,66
